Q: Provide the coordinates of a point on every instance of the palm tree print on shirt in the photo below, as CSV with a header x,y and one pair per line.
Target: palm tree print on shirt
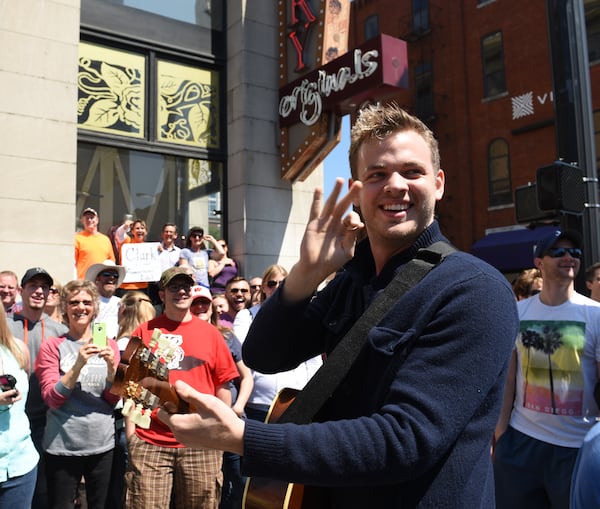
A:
x,y
550,355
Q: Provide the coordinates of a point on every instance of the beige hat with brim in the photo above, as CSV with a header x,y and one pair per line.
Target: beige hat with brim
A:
x,y
92,273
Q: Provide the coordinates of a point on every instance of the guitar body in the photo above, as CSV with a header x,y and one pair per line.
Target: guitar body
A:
x,y
261,493
142,379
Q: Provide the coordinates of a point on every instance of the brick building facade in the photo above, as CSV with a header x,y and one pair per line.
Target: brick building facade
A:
x,y
481,78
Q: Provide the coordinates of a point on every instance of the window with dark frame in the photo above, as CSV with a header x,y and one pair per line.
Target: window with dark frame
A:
x,y
492,56
371,27
420,16
499,184
152,141
424,92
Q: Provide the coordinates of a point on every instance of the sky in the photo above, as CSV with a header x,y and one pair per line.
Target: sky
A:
x,y
336,163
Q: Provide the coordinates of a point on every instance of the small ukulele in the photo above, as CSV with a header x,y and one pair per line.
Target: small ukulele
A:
x,y
142,379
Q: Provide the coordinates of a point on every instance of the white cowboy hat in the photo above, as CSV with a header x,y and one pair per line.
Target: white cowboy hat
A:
x,y
92,273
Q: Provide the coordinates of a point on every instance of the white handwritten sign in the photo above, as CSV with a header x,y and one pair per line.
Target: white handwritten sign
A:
x,y
141,261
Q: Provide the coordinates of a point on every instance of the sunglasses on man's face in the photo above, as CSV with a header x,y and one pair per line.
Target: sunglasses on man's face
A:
x,y
108,273
176,287
237,290
559,252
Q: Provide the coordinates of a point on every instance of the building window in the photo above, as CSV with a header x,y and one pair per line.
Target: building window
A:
x,y
492,54
424,92
112,88
420,16
203,13
113,100
371,27
592,24
150,140
500,189
188,107
157,188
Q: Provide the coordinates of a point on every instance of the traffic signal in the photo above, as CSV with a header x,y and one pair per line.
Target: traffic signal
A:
x,y
526,206
560,187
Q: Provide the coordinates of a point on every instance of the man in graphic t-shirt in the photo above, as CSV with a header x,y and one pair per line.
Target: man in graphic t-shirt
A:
x,y
159,466
549,401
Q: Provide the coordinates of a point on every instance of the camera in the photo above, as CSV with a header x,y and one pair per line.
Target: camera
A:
x,y
7,382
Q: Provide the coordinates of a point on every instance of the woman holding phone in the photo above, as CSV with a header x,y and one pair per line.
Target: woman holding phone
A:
x,y
18,456
75,373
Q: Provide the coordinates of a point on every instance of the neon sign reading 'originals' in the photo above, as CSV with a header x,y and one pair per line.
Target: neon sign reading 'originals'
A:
x,y
308,95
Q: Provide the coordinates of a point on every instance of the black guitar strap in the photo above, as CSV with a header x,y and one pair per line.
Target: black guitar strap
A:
x,y
326,380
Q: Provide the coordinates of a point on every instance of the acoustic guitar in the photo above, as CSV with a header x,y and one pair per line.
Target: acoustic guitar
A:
x,y
142,379
261,493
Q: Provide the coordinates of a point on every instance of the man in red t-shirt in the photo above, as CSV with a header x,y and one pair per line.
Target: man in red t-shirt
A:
x,y
159,466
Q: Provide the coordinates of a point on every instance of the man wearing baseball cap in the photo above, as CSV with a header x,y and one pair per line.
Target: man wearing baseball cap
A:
x,y
91,246
549,398
33,326
202,359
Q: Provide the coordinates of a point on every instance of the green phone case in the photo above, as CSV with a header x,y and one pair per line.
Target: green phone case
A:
x,y
99,334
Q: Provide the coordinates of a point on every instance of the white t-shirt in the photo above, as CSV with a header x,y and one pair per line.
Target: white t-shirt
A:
x,y
168,257
109,314
557,351
266,386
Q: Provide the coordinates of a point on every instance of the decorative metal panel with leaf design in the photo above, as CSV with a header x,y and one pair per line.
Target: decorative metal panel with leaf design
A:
x,y
188,105
111,91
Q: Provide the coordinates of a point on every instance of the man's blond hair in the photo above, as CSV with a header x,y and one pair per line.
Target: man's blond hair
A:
x,y
377,121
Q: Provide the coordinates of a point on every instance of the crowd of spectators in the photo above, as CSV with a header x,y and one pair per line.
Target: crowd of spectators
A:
x,y
81,451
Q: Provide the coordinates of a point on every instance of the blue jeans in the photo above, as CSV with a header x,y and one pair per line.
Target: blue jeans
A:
x,y
233,482
17,492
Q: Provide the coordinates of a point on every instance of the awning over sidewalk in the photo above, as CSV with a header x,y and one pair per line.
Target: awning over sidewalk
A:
x,y
510,251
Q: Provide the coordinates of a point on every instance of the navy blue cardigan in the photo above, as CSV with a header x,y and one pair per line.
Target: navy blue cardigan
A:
x,y
401,431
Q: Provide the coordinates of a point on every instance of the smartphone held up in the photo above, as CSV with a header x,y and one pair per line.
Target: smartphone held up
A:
x,y
99,334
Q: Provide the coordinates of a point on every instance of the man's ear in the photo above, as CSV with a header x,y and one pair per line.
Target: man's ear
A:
x,y
588,285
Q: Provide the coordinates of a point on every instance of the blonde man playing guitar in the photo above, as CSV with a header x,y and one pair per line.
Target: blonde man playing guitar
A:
x,y
411,423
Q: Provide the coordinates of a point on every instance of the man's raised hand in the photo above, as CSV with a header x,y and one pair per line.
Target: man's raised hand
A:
x,y
329,241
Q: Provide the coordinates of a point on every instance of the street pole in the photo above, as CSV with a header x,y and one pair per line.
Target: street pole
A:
x,y
573,117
